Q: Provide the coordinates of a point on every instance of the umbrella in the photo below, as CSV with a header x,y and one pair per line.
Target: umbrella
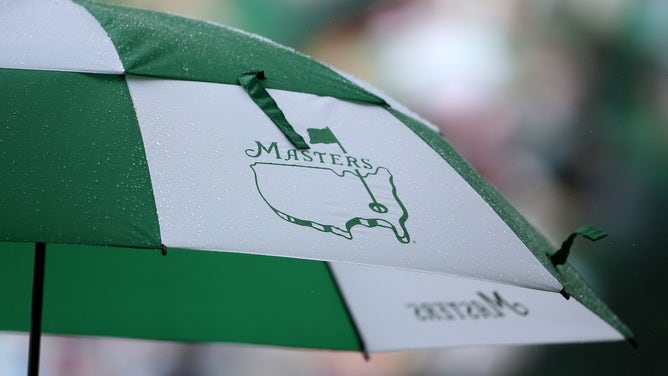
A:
x,y
182,180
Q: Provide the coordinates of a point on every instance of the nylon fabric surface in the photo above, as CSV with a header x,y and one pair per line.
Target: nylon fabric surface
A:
x,y
185,296
74,169
538,245
161,45
72,162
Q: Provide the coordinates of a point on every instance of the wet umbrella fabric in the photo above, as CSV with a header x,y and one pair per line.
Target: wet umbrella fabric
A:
x,y
127,132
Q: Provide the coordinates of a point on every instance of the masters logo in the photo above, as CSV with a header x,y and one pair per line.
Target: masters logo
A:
x,y
344,190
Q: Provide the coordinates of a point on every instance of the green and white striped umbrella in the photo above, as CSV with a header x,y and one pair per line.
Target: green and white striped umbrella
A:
x,y
296,206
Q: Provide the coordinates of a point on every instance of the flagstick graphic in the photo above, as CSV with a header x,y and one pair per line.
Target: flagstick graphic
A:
x,y
326,136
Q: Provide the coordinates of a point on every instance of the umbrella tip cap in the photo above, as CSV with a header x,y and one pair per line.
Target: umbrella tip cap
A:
x,y
633,342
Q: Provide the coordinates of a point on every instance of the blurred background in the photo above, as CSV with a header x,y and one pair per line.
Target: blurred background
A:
x,y
562,105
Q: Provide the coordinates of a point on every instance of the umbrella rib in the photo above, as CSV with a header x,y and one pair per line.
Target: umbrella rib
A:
x,y
356,327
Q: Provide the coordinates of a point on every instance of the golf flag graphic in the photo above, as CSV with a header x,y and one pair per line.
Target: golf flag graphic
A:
x,y
323,136
326,136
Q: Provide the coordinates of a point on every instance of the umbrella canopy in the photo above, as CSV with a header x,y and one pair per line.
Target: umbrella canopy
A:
x,y
296,206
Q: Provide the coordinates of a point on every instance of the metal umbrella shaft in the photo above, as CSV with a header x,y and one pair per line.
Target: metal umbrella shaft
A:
x,y
36,309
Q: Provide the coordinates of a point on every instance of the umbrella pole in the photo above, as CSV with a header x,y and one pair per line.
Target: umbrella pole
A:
x,y
36,309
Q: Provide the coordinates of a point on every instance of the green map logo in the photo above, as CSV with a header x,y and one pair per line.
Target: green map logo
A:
x,y
344,190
